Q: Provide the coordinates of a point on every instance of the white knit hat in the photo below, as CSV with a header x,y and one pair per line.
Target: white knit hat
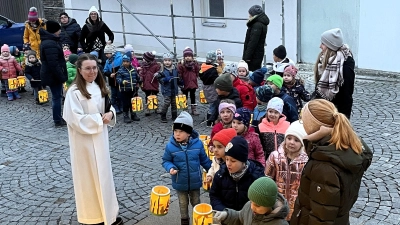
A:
x,y
243,63
333,39
276,103
94,9
296,129
109,49
128,48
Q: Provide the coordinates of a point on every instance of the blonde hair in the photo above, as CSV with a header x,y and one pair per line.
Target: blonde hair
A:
x,y
343,135
327,54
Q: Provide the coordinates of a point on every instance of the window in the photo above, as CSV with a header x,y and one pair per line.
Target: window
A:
x,y
213,8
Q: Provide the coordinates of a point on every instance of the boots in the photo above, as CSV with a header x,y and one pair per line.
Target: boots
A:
x,y
134,117
163,118
147,112
185,221
16,95
10,96
174,115
194,111
126,118
3,93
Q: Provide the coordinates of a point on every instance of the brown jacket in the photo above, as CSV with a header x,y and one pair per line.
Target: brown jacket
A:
x,y
286,175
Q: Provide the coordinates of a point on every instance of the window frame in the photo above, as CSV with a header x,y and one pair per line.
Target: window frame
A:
x,y
205,10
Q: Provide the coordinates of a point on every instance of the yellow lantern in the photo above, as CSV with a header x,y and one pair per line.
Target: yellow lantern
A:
x,y
206,185
152,102
203,137
12,83
137,104
21,81
205,145
159,200
43,96
203,99
181,102
65,86
202,214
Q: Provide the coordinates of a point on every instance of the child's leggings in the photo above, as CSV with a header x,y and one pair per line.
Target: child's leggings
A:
x,y
184,197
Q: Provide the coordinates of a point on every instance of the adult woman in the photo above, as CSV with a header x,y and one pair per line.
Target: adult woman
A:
x,y
92,36
87,120
334,72
338,158
31,32
70,32
257,27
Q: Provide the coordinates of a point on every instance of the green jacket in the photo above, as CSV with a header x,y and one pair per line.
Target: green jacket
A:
x,y
71,68
329,184
247,217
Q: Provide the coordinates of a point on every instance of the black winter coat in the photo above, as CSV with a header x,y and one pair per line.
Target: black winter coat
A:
x,y
253,51
233,95
70,34
297,92
329,183
227,193
32,71
91,32
289,107
54,69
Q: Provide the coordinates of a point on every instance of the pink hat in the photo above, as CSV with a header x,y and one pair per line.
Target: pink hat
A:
x,y
33,14
292,70
5,48
67,52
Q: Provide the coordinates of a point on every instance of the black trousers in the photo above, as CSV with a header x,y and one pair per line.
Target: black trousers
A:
x,y
126,99
192,95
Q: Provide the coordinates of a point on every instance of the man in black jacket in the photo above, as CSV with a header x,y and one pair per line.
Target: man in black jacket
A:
x,y
257,27
54,71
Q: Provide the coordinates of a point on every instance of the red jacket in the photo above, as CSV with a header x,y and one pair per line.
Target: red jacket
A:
x,y
256,152
246,93
150,83
12,67
189,75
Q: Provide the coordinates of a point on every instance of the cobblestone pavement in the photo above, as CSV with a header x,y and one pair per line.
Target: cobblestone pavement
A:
x,y
35,177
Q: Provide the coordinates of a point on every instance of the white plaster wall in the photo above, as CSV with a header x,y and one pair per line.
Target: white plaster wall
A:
x,y
379,44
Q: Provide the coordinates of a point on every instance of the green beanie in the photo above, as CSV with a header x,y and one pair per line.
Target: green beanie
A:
x,y
263,192
224,82
277,80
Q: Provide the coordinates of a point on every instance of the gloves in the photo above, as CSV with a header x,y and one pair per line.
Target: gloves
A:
x,y
221,215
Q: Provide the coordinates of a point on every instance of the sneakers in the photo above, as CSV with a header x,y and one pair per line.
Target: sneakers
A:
x,y
60,124
10,96
185,221
16,95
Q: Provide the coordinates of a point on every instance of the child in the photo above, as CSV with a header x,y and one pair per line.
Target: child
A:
x,y
147,72
67,53
189,71
183,149
263,95
290,108
225,90
9,68
220,61
32,73
243,71
113,63
219,142
266,206
233,179
226,111
241,124
129,52
280,61
285,165
71,68
65,47
208,74
169,80
256,78
294,87
128,81
14,51
273,127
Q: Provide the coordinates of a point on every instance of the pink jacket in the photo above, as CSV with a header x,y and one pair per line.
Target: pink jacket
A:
x,y
135,62
11,65
255,148
271,135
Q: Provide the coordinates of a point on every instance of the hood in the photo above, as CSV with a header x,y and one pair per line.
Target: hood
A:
x,y
70,21
70,65
281,122
322,150
27,63
233,94
192,139
279,211
204,67
255,168
45,35
261,18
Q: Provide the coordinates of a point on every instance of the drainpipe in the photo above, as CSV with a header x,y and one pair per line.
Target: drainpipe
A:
x,y
194,30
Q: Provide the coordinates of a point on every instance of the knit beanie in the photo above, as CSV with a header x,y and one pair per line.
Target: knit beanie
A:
x,y
227,105
243,115
63,14
33,14
149,56
276,103
225,136
277,80
184,122
243,64
5,48
67,52
292,70
264,93
26,46
238,149
168,55
129,54
109,49
128,48
333,39
93,9
296,129
73,58
219,53
280,52
224,82
31,52
126,58
52,26
263,192
95,53
187,52
258,75
231,69
211,57
255,10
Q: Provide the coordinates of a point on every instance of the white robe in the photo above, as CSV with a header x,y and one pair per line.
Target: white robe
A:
x,y
95,196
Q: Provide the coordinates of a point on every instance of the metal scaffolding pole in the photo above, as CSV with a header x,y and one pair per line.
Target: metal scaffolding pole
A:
x,y
123,25
283,22
99,1
194,30
173,28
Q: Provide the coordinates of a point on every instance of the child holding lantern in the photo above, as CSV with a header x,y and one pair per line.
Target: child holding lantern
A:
x,y
182,158
9,68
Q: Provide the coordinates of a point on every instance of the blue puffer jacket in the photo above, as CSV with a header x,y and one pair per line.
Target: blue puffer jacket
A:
x,y
227,193
187,162
169,81
289,107
112,66
130,75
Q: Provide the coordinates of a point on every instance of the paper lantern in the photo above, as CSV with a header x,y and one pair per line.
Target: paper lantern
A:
x,y
43,96
159,200
181,102
203,99
152,102
206,185
137,104
202,214
21,81
12,83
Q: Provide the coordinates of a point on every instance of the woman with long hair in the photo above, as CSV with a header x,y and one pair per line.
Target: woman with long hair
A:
x,y
338,158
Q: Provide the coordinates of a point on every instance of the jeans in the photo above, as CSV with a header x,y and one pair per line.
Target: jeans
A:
x,y
184,196
213,107
169,100
56,98
35,92
116,97
192,95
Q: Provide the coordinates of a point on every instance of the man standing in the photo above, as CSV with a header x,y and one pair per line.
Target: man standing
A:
x,y
257,27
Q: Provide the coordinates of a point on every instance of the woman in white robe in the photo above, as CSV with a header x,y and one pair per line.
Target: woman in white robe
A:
x,y
96,200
